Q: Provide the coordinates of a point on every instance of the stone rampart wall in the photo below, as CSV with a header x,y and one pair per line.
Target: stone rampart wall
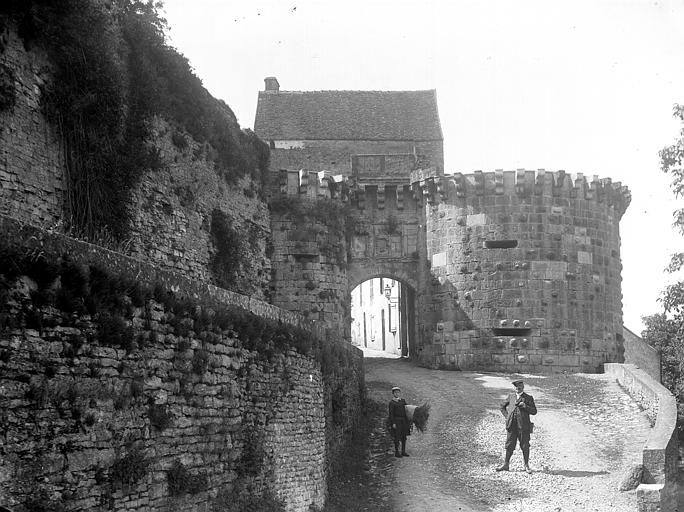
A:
x,y
171,206
32,180
658,492
190,411
173,209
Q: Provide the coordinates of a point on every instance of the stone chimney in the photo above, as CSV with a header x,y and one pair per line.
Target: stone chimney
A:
x,y
272,84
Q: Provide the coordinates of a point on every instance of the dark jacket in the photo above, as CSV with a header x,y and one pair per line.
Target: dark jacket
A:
x,y
519,415
397,416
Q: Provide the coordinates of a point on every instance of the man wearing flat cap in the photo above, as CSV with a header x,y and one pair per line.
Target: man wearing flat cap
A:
x,y
518,424
398,422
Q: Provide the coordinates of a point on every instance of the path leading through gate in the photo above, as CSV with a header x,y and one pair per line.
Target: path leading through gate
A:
x,y
587,433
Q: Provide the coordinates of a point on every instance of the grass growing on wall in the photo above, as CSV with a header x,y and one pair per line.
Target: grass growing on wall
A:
x,y
119,308
111,301
113,72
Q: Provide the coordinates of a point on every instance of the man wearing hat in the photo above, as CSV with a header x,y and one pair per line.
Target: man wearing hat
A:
x,y
518,424
398,421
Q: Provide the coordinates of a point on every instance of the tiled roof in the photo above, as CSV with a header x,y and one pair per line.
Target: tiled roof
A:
x,y
348,115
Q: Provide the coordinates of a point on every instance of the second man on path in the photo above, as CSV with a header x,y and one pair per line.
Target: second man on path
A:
x,y
518,424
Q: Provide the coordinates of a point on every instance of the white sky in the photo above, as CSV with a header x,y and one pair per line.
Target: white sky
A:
x,y
584,86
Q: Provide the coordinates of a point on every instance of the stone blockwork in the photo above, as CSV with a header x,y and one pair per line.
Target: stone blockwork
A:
x,y
331,236
524,271
192,412
310,260
334,156
658,490
32,181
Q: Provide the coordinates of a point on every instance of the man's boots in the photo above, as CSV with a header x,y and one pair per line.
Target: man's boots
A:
x,y
403,449
526,458
396,449
504,466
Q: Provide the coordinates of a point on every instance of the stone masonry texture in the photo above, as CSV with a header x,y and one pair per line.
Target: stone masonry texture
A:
x,y
32,182
524,271
172,206
73,409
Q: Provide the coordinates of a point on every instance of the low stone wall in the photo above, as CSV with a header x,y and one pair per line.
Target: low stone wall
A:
x,y
658,491
641,354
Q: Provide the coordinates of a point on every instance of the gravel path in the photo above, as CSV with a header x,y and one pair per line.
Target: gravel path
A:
x,y
587,432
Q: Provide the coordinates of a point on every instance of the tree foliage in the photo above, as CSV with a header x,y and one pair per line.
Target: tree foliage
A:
x,y
665,331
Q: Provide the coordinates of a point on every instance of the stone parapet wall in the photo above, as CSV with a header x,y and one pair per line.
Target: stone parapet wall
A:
x,y
524,271
658,492
641,354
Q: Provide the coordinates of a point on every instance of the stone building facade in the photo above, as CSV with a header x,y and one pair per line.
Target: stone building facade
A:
x,y
325,130
511,271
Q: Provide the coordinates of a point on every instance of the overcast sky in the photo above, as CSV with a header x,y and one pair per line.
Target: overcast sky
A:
x,y
586,86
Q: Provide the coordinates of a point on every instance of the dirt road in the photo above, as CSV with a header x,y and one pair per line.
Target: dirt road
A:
x,y
587,432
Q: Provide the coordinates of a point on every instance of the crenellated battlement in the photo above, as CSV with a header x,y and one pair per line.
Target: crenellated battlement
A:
x,y
312,185
522,183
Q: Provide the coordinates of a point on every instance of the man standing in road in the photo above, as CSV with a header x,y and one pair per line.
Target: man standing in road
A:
x,y
398,422
518,424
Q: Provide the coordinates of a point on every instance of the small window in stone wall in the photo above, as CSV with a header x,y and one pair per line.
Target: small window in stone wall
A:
x,y
500,244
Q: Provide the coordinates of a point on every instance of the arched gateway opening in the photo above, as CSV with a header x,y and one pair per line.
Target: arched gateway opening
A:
x,y
383,317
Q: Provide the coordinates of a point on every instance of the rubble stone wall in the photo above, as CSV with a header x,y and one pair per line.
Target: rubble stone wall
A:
x,y
172,214
32,180
171,207
191,412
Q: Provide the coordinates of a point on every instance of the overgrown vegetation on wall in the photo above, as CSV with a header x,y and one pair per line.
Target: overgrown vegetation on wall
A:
x,y
113,71
232,263
111,301
334,215
97,309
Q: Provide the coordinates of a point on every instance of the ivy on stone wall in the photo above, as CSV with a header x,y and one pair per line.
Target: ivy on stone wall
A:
x,y
8,92
231,251
113,72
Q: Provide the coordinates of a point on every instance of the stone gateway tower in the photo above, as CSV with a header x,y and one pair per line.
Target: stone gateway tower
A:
x,y
524,271
511,271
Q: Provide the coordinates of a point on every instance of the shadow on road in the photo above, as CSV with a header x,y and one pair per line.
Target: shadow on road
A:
x,y
577,474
